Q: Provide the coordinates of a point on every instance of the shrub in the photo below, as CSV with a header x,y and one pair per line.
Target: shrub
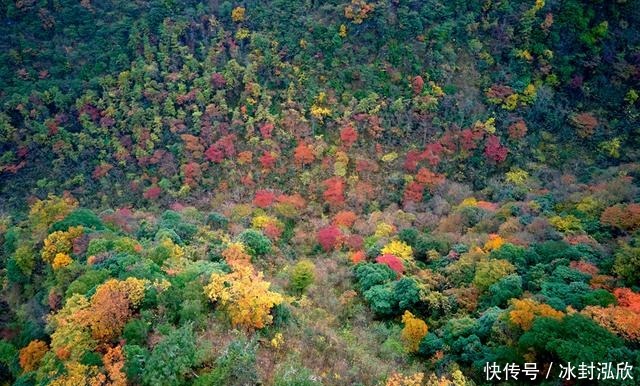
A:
x,y
135,332
257,243
328,237
370,274
295,376
504,289
172,358
302,276
217,221
235,367
84,217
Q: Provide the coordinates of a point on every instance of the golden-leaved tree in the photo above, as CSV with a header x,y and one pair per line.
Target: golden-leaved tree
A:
x,y
414,330
244,295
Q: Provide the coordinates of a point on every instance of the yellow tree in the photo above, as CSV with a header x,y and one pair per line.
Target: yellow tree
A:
x,y
244,295
45,212
526,310
414,330
60,243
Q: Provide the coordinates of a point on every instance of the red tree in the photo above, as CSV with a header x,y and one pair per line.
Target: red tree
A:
x,y
334,191
348,135
392,262
329,237
264,198
494,150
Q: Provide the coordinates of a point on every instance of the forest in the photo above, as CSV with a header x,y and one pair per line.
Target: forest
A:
x,y
306,192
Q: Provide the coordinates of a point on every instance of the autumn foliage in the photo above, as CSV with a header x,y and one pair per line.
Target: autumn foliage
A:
x,y
245,296
623,217
31,355
329,237
524,312
334,191
414,330
392,262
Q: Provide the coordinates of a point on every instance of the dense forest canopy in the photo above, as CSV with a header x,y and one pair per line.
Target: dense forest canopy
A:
x,y
388,192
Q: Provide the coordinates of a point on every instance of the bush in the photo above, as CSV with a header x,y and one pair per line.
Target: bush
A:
x,y
136,331
217,221
370,274
295,376
235,367
84,217
257,243
302,276
504,289
87,282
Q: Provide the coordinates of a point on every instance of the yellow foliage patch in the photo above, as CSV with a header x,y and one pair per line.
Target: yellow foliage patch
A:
x,y
399,249
414,330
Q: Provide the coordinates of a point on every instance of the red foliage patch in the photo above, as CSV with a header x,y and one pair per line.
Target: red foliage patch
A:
x,y
357,257
392,262
517,129
627,298
152,193
413,192
267,160
303,154
348,135
266,130
417,84
329,237
494,150
264,198
334,191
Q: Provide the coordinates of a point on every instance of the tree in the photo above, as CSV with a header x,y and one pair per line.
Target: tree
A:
x,y
623,217
398,248
619,320
397,379
585,123
329,237
256,242
574,338
44,213
628,299
303,154
505,289
344,218
172,358
490,271
417,83
348,136
31,355
244,295
334,191
627,263
524,312
237,15
370,274
392,262
414,330
494,150
302,276
235,367
60,242
264,198
113,361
